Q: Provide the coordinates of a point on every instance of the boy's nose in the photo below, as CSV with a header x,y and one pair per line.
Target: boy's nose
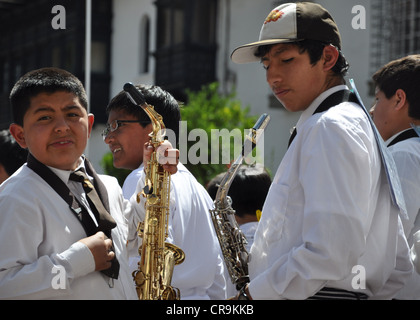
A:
x,y
61,125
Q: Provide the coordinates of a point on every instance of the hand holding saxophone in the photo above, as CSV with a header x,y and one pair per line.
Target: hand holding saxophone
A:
x,y
168,157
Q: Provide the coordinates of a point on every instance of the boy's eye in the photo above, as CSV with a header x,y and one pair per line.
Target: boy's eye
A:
x,y
287,60
43,118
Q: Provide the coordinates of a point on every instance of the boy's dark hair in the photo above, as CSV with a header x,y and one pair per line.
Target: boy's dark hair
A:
x,y
44,80
12,156
402,74
314,49
162,101
248,190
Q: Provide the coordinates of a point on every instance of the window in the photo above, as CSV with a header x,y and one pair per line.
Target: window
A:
x,y
99,58
186,44
144,44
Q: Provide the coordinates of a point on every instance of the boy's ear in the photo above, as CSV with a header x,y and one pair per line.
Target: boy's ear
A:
x,y
17,133
91,120
330,55
401,98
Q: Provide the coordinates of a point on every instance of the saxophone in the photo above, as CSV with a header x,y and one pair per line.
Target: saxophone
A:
x,y
157,257
232,240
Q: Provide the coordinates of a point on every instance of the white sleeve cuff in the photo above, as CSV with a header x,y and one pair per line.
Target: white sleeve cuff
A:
x,y
77,260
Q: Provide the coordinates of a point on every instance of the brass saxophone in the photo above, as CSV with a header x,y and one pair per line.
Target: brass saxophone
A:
x,y
157,257
232,240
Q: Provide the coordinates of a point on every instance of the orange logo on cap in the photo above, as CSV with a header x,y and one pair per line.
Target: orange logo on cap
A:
x,y
274,16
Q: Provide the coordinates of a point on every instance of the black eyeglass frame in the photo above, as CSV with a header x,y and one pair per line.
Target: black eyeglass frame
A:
x,y
109,129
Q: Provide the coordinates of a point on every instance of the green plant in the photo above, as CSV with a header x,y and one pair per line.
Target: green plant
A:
x,y
109,169
208,112
211,112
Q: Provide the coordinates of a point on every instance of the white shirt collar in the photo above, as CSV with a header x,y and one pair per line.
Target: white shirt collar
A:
x,y
387,142
315,104
64,175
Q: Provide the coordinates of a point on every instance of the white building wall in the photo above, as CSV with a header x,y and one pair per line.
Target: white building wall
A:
x,y
239,22
245,24
125,58
125,55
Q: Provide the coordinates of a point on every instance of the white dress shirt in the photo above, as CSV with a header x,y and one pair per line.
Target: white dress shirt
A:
x,y
248,229
406,154
130,182
40,256
328,214
201,275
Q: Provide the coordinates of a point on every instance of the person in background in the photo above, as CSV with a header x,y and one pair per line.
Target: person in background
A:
x,y
128,129
329,209
12,156
396,109
247,191
201,275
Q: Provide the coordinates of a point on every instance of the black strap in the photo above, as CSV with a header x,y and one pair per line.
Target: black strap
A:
x,y
105,221
333,100
292,136
411,133
61,188
337,294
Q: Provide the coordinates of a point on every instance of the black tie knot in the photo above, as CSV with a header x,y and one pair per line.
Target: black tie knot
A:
x,y
80,176
104,219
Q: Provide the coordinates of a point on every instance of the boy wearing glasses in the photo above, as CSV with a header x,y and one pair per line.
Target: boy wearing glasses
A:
x,y
128,129
201,275
123,157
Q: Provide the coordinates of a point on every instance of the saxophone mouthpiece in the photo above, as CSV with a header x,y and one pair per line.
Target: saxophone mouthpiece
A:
x,y
262,122
134,94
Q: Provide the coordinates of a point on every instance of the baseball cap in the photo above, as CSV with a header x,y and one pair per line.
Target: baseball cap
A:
x,y
292,22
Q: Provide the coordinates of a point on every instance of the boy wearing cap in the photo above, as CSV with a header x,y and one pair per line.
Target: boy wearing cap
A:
x,y
329,228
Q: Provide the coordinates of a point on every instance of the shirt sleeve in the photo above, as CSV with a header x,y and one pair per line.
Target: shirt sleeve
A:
x,y
23,273
408,165
402,271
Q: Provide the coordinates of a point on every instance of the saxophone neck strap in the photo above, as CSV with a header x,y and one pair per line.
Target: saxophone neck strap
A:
x,y
105,222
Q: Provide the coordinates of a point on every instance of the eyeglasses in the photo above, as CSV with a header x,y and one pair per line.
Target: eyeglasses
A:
x,y
114,125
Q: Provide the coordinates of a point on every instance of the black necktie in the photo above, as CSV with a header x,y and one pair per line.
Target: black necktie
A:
x,y
105,221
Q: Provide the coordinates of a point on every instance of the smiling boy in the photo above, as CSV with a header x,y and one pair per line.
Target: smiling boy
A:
x,y
201,275
48,222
